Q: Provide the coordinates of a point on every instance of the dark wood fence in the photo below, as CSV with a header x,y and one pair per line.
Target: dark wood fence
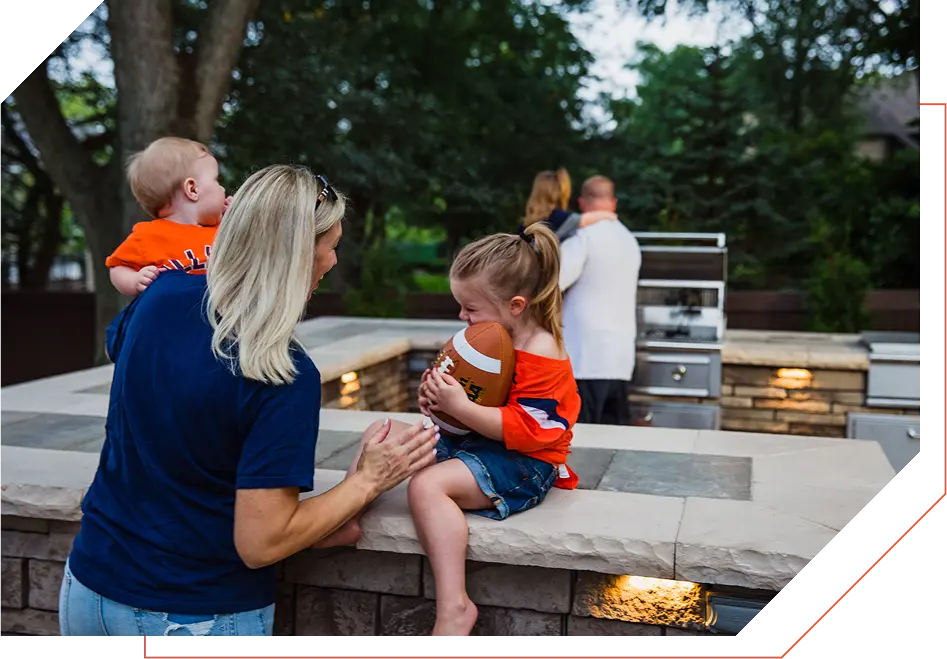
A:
x,y
50,333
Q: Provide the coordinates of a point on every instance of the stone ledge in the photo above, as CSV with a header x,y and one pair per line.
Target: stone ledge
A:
x,y
582,529
755,543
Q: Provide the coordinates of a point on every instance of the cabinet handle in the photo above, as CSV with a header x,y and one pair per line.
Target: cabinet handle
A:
x,y
678,373
913,434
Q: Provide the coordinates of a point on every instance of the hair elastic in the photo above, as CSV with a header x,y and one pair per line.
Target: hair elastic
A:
x,y
530,239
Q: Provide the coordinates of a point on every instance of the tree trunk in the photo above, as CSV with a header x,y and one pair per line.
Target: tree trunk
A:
x,y
42,244
147,79
146,76
50,239
349,269
92,191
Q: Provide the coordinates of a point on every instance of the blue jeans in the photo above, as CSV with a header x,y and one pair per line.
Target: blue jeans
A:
x,y
83,612
512,481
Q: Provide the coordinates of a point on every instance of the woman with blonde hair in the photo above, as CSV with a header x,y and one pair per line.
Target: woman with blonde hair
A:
x,y
211,433
549,202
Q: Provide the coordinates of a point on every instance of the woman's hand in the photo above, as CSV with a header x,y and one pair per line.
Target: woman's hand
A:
x,y
444,393
591,217
388,458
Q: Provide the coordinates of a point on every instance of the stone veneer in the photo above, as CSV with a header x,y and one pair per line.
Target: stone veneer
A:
x,y
362,593
381,386
389,386
753,398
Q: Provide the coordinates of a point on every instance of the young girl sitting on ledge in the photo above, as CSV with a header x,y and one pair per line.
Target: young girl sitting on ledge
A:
x,y
513,454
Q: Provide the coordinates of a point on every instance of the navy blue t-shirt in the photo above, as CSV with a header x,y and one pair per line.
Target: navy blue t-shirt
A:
x,y
183,434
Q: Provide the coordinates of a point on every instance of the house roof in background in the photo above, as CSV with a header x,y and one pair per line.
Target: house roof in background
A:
x,y
891,107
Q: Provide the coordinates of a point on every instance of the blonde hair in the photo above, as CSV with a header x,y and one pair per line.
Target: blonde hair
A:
x,y
551,191
259,274
154,173
514,265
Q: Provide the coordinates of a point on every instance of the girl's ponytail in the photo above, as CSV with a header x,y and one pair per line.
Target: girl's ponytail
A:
x,y
547,299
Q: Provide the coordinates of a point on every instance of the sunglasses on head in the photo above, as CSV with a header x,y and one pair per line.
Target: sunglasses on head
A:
x,y
327,191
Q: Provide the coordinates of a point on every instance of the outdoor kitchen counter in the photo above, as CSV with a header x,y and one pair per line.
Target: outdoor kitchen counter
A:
x,y
813,350
725,508
339,344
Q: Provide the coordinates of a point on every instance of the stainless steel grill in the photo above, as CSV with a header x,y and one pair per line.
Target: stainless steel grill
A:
x,y
681,324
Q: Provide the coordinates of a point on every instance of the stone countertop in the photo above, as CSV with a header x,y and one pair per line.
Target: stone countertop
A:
x,y
339,344
812,350
714,507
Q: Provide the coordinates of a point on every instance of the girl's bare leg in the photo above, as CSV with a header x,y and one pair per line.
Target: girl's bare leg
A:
x,y
437,496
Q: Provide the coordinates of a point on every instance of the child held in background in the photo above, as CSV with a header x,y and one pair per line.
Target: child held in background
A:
x,y
513,454
175,181
549,200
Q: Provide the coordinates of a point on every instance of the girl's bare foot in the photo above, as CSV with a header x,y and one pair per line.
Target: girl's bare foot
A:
x,y
345,535
456,620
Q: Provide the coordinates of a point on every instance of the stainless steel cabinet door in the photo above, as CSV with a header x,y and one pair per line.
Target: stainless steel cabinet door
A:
x,y
677,415
899,436
668,373
894,381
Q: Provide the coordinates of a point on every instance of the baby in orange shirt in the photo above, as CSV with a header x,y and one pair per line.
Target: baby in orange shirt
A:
x,y
175,181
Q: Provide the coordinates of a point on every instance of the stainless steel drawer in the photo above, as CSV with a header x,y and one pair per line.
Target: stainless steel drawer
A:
x,y
672,373
676,415
894,384
899,436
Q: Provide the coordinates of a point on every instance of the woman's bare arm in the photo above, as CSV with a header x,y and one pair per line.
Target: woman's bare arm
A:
x,y
271,524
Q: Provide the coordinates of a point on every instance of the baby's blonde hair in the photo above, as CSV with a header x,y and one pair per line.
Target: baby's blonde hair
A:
x,y
154,173
259,274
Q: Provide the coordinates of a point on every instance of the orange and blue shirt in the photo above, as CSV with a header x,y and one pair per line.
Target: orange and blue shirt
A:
x,y
540,412
167,245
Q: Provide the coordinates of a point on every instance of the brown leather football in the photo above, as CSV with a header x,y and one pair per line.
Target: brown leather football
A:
x,y
481,358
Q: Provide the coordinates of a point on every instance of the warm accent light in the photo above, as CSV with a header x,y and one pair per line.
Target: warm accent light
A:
x,y
794,373
642,599
351,388
791,378
351,376
346,402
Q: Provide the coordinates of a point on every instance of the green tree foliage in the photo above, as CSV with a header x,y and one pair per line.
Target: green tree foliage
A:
x,y
433,118
441,112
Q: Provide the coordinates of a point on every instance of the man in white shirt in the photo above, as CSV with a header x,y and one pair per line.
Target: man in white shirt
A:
x,y
599,278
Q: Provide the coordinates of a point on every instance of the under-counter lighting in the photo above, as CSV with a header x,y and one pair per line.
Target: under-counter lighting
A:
x,y
351,376
646,600
794,373
792,378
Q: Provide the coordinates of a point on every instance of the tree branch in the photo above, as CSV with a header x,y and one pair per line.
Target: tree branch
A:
x,y
20,151
99,141
63,156
221,42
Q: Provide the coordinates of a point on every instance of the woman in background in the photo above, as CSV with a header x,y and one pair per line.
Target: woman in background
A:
x,y
549,202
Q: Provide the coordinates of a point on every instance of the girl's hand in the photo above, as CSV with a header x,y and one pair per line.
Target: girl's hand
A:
x,y
444,393
423,403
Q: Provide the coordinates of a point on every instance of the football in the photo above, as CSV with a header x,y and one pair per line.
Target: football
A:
x,y
481,358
